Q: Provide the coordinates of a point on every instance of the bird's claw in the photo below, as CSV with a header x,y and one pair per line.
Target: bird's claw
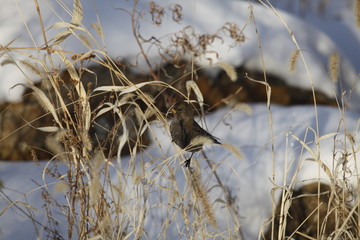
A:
x,y
187,162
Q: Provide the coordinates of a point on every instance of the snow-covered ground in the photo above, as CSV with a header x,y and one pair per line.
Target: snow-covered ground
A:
x,y
248,178
318,37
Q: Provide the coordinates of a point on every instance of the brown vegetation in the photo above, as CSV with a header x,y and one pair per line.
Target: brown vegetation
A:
x,y
20,140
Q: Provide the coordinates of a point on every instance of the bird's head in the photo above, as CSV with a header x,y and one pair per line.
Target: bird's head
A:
x,y
182,110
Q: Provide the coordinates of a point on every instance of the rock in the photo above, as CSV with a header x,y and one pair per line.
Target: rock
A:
x,y
305,211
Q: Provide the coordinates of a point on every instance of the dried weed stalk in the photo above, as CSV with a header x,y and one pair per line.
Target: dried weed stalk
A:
x,y
357,13
95,206
293,60
198,190
185,44
334,66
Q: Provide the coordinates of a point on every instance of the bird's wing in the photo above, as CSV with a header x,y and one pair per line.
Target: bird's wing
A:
x,y
200,131
178,133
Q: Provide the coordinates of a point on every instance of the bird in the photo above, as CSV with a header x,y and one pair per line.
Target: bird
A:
x,y
186,132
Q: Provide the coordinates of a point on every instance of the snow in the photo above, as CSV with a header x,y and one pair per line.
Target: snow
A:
x,y
249,178
337,21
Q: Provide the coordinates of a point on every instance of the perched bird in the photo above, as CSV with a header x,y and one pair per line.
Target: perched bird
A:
x,y
186,132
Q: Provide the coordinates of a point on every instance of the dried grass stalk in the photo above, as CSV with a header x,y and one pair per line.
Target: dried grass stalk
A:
x,y
191,85
7,61
85,40
98,29
234,150
229,70
357,13
34,68
198,189
53,143
334,61
243,107
293,60
43,100
77,14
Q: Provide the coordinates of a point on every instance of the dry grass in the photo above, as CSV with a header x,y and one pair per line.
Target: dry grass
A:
x,y
334,66
293,60
100,205
346,223
357,13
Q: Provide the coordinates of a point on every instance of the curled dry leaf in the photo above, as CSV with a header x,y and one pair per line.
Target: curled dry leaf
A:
x,y
77,14
43,100
191,85
49,129
323,167
70,67
127,89
60,37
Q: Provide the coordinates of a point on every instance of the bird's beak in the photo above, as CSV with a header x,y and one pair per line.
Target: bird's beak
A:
x,y
173,110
